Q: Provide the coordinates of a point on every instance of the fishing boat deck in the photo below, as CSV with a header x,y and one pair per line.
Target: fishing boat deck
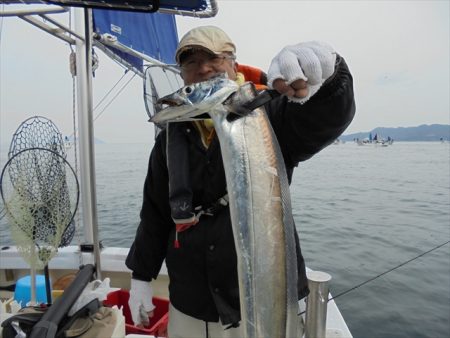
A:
x,y
68,260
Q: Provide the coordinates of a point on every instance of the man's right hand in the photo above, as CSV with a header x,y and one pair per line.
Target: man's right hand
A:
x,y
298,71
140,302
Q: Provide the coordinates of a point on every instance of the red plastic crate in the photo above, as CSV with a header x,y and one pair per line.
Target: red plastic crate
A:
x,y
158,323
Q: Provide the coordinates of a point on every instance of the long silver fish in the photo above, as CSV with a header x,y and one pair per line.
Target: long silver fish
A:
x,y
259,200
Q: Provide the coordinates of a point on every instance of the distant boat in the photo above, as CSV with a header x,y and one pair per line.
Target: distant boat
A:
x,y
338,141
376,140
382,141
67,143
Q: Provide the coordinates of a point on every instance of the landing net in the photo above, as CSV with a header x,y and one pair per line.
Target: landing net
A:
x,y
40,193
40,132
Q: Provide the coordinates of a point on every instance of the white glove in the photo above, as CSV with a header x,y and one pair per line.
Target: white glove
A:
x,y
312,62
140,301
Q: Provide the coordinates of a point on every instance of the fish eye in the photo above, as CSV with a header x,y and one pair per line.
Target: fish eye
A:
x,y
188,89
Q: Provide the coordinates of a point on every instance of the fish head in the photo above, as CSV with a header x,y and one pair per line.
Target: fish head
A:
x,y
191,102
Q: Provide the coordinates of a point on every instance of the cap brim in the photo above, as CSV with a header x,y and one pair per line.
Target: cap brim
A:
x,y
185,49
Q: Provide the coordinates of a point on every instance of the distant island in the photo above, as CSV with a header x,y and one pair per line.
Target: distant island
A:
x,y
425,132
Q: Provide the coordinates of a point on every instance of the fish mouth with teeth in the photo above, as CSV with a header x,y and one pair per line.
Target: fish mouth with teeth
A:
x,y
194,101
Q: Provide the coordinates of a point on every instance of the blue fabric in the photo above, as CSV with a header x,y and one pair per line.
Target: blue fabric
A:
x,y
153,34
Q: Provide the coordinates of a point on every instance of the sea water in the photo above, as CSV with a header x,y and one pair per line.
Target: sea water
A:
x,y
360,211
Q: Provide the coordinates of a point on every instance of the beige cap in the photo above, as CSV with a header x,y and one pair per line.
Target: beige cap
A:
x,y
211,38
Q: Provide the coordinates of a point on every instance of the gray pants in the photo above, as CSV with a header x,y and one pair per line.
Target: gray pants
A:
x,y
184,326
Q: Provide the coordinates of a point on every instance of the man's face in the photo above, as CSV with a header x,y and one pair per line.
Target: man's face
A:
x,y
200,66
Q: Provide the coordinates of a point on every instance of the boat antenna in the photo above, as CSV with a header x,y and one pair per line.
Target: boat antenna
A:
x,y
40,193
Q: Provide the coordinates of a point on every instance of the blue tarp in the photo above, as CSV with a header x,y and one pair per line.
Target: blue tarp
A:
x,y
153,34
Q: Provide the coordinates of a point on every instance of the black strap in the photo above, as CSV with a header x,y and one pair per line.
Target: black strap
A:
x,y
232,325
213,208
24,321
261,99
177,156
49,327
218,205
30,318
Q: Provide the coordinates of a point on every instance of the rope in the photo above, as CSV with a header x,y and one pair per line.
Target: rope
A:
x,y
106,95
2,213
115,96
75,142
98,104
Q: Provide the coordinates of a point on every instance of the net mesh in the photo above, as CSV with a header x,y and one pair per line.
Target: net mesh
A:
x,y
40,132
37,132
168,81
40,193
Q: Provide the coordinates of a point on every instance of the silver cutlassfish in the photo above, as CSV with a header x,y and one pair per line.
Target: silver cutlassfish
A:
x,y
259,199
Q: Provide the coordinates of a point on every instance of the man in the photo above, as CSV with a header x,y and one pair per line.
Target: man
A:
x,y
316,106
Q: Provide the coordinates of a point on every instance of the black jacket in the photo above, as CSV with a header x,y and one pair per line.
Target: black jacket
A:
x,y
203,271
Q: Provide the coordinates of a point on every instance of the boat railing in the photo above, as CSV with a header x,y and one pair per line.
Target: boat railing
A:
x,y
316,304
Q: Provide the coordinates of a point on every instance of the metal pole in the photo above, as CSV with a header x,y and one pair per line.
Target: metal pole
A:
x,y
316,304
33,301
83,23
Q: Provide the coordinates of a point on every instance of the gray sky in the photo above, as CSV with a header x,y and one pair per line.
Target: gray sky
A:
x,y
398,52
